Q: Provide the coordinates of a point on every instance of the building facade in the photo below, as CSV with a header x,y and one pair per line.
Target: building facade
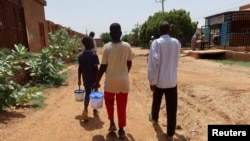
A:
x,y
12,24
229,28
23,22
35,24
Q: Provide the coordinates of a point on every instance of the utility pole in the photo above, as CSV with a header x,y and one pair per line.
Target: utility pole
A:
x,y
162,4
136,34
137,25
137,28
86,32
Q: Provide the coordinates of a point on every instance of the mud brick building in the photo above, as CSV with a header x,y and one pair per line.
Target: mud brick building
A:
x,y
23,21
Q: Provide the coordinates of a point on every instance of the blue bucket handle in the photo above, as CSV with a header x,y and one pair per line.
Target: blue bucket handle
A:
x,y
79,91
95,96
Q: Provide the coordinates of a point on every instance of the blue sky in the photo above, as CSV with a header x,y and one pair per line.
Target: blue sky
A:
x,y
96,15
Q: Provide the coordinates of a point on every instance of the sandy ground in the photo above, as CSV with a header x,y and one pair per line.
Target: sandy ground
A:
x,y
209,93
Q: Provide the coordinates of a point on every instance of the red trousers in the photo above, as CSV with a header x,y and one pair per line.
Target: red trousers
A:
x,y
121,103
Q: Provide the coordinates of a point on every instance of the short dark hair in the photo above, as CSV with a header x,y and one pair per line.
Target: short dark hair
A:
x,y
164,27
115,32
115,27
86,42
92,34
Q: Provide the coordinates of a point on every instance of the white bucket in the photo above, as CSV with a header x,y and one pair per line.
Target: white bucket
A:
x,y
96,99
79,95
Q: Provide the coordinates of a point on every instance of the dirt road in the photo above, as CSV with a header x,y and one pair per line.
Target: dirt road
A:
x,y
209,93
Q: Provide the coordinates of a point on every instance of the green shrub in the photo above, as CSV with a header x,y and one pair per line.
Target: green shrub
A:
x,y
6,85
4,52
22,95
62,45
45,69
12,93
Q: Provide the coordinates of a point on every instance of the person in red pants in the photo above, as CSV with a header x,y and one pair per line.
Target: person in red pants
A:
x,y
116,63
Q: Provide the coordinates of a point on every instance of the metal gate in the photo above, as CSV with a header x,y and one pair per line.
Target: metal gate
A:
x,y
12,24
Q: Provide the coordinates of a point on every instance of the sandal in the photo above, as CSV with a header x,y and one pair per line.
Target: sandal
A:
x,y
112,127
85,115
150,118
170,138
95,112
121,133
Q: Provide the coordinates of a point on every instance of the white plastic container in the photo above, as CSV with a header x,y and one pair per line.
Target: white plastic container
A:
x,y
96,99
79,95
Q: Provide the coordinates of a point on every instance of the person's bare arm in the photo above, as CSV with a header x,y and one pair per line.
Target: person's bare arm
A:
x,y
129,64
79,75
100,73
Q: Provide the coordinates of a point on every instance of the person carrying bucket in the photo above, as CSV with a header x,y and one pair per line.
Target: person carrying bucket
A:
x,y
87,71
116,63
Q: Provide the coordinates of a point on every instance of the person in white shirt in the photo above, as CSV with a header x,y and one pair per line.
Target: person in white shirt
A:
x,y
162,76
193,42
151,40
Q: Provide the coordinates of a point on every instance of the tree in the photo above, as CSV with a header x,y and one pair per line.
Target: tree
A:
x,y
105,37
150,27
181,26
127,38
135,41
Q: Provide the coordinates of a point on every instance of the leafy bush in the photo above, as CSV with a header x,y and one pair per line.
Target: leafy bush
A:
x,y
12,93
6,85
23,95
45,69
20,52
62,44
4,52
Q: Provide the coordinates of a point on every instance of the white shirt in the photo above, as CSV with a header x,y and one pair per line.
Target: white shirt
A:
x,y
163,62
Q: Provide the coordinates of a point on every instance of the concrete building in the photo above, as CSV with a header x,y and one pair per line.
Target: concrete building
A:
x,y
230,28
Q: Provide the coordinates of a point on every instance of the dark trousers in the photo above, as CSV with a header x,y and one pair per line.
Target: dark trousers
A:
x,y
88,90
171,99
